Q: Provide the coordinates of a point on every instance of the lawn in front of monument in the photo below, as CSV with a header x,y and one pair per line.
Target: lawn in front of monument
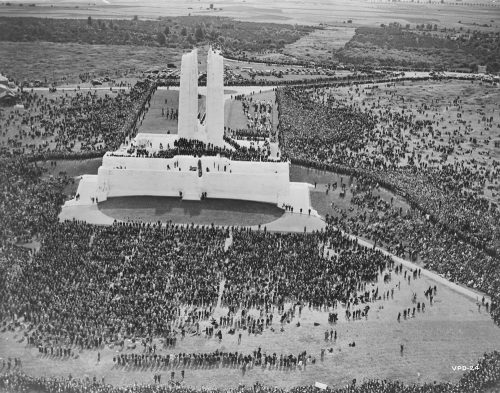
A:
x,y
430,346
156,122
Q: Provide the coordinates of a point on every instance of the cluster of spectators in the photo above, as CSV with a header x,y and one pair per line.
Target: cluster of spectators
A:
x,y
90,286
259,115
270,269
485,376
321,130
197,148
72,121
29,202
313,130
216,359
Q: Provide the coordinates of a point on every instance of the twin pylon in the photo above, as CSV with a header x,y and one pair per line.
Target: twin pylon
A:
x,y
189,127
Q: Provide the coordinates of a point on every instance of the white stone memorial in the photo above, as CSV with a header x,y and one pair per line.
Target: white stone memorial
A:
x,y
188,96
215,99
126,173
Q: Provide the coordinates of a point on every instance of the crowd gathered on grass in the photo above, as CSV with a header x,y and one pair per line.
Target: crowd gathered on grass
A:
x,y
333,134
88,287
73,121
108,284
29,203
481,378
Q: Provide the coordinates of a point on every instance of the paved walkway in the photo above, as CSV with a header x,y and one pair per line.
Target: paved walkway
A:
x,y
474,295
218,310
294,222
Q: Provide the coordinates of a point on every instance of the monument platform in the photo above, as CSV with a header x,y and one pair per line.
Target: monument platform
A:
x,y
199,161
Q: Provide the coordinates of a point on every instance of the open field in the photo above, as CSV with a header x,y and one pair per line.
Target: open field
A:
x,y
430,341
319,45
284,11
63,63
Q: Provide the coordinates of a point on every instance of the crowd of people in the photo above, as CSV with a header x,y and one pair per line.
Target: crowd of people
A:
x,y
216,359
197,148
90,286
482,378
259,116
268,269
370,141
73,121
108,284
29,203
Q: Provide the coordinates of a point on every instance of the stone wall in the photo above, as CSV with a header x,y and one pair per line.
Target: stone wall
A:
x,y
256,181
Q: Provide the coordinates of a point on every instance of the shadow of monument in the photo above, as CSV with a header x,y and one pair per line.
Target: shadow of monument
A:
x,y
217,211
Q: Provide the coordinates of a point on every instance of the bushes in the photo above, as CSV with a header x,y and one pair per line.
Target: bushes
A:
x,y
245,36
397,46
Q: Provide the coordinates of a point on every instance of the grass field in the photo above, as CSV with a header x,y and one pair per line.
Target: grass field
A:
x,y
156,123
318,45
65,62
283,11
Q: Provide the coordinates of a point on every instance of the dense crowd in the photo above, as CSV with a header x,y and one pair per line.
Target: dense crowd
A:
x,y
216,359
90,286
72,121
197,148
444,198
380,147
483,377
316,131
108,284
268,269
29,203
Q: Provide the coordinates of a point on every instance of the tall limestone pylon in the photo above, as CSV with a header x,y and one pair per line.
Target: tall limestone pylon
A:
x,y
188,96
215,98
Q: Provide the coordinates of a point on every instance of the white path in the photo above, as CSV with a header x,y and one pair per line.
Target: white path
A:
x,y
470,293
